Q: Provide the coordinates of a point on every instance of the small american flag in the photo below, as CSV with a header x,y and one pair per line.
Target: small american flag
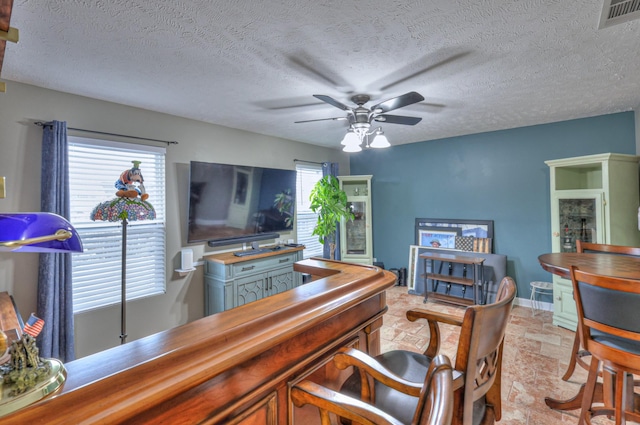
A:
x,y
33,326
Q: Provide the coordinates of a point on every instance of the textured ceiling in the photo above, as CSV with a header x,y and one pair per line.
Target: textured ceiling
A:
x,y
254,65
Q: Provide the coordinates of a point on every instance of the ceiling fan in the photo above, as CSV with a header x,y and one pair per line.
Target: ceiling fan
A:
x,y
361,117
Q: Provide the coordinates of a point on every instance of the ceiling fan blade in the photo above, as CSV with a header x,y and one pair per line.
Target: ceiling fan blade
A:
x,y
398,119
431,67
398,102
332,101
322,119
276,105
320,72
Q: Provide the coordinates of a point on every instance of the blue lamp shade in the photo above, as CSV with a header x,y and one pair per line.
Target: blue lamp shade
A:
x,y
37,232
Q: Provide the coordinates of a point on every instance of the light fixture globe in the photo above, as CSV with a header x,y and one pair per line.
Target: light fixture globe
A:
x,y
380,140
352,148
350,138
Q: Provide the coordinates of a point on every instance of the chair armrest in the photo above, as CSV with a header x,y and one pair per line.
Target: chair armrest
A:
x,y
433,318
448,319
307,392
351,357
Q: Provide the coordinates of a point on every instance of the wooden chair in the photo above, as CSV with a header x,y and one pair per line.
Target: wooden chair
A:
x,y
435,395
606,248
577,352
477,369
610,330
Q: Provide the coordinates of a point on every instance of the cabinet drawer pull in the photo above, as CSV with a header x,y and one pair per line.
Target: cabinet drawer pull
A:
x,y
244,269
284,260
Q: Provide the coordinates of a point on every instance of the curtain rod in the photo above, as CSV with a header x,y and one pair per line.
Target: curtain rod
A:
x,y
168,142
309,162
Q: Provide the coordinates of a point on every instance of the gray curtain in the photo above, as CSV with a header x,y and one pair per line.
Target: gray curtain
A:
x,y
331,168
55,303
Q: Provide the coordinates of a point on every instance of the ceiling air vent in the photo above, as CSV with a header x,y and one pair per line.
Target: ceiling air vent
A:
x,y
619,11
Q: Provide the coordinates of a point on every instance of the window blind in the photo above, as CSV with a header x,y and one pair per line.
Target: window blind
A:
x,y
94,166
308,176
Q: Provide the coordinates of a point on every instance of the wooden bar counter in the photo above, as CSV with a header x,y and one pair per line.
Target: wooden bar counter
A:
x,y
234,367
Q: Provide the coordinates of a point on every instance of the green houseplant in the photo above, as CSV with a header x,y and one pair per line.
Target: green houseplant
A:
x,y
330,203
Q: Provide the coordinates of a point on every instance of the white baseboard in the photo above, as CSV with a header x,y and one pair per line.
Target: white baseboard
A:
x,y
526,302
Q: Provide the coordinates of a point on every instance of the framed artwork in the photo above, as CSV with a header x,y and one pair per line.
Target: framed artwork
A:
x,y
465,243
438,237
478,229
416,269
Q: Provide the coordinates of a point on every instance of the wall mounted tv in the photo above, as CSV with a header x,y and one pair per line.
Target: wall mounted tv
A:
x,y
231,204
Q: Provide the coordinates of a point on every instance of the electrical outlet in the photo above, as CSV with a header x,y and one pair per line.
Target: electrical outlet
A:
x,y
3,193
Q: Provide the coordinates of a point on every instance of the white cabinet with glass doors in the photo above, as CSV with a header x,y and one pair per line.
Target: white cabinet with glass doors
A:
x,y
594,198
356,241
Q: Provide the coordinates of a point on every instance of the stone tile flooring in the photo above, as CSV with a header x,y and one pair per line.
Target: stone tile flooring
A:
x,y
535,357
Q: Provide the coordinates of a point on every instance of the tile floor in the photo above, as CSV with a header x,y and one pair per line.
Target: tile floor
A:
x,y
535,357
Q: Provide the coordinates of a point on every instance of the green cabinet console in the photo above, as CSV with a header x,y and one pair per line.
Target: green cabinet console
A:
x,y
231,281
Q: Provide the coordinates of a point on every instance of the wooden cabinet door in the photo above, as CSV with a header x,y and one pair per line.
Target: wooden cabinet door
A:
x,y
564,307
250,288
280,280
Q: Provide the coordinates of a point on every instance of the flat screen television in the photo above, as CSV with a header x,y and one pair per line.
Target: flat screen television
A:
x,y
231,204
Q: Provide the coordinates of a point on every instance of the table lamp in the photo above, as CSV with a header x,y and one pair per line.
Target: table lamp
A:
x,y
32,232
37,232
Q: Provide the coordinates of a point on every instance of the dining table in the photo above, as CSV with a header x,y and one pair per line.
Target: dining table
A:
x,y
559,263
623,266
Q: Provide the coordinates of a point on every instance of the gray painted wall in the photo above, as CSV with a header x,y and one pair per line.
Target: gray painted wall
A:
x,y
20,146
498,176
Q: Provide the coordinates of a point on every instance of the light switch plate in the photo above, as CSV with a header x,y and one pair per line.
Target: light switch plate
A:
x,y
3,193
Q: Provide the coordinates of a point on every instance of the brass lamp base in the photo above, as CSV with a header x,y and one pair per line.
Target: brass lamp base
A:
x,y
49,384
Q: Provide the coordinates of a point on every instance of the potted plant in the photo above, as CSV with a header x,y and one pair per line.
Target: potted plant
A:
x,y
330,203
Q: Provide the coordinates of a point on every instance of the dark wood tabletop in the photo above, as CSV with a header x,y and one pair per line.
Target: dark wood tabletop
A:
x,y
610,265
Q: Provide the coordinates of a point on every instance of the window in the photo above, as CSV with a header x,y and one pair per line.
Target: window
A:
x,y
308,176
94,167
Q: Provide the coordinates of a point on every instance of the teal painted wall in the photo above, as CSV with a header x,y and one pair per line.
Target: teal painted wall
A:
x,y
498,176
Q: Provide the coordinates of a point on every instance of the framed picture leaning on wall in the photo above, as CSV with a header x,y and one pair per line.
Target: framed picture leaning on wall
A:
x,y
479,230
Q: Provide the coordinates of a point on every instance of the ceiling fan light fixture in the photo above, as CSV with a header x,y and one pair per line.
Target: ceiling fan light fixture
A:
x,y
361,118
380,140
